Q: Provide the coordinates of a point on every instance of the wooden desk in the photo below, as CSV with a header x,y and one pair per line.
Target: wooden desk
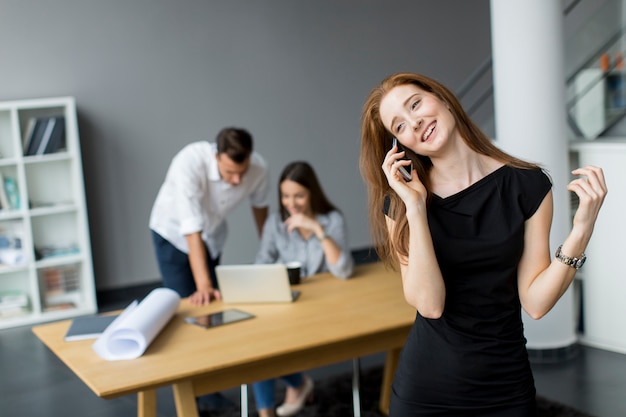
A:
x,y
332,321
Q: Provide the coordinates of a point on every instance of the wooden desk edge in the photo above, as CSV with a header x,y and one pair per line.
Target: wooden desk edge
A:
x,y
300,361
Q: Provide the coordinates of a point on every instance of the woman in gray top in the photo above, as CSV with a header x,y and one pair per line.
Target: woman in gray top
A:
x,y
309,229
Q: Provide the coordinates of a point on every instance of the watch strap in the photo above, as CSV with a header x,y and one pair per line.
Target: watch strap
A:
x,y
570,261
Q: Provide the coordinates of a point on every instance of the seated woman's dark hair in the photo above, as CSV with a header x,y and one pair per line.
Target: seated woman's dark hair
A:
x,y
302,173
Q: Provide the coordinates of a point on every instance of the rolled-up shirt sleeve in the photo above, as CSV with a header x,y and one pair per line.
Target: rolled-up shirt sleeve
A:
x,y
189,185
337,229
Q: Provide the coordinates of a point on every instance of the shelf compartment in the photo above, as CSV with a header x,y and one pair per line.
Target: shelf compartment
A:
x,y
49,182
14,281
28,116
55,235
60,287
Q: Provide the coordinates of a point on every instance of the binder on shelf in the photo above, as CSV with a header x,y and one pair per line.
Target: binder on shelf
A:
x,y
54,136
57,141
28,132
36,135
46,136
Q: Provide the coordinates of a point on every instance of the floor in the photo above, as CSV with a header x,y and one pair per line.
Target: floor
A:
x,y
33,381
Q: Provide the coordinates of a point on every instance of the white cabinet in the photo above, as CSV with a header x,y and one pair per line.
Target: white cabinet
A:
x,y
46,270
603,276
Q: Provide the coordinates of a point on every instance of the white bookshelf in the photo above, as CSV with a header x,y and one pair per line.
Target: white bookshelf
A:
x,y
45,251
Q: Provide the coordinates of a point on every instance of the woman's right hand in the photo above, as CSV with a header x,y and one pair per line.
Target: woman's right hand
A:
x,y
411,192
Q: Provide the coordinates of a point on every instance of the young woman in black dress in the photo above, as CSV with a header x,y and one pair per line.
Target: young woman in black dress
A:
x,y
470,232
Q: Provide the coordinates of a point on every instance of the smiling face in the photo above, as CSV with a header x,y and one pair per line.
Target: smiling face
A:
x,y
419,119
295,198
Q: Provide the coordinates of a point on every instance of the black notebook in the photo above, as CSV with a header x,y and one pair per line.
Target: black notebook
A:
x,y
88,327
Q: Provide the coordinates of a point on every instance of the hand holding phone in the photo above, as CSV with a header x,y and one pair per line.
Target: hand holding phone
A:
x,y
404,171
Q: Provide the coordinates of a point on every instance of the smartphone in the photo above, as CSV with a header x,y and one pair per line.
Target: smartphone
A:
x,y
404,171
220,318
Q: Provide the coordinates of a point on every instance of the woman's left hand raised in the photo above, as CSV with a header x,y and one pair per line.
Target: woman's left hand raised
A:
x,y
590,187
300,220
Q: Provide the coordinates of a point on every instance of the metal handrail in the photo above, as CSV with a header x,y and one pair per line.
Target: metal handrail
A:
x,y
474,77
605,46
571,7
486,66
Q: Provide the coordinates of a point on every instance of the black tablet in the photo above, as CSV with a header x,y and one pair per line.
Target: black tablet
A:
x,y
208,321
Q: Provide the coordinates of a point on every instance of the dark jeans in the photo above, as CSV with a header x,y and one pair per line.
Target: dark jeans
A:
x,y
175,268
176,274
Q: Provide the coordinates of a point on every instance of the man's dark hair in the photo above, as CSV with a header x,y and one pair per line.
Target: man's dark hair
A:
x,y
235,143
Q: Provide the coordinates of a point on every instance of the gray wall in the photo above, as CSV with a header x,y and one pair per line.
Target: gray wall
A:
x,y
152,76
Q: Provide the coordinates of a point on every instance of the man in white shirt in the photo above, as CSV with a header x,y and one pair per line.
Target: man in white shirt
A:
x,y
204,183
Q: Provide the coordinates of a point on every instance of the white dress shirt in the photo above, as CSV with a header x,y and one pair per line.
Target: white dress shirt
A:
x,y
194,198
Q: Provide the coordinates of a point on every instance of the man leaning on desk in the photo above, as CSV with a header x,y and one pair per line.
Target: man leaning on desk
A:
x,y
204,182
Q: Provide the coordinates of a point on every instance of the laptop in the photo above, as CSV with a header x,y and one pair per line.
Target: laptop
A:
x,y
255,283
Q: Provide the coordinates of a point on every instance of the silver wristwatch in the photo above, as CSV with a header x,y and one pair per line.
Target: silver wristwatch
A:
x,y
575,263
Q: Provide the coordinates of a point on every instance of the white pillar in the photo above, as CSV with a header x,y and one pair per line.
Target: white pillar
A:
x,y
530,119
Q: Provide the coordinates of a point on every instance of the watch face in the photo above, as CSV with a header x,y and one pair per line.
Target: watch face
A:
x,y
580,262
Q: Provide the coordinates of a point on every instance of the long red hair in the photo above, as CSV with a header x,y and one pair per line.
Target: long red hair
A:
x,y
376,141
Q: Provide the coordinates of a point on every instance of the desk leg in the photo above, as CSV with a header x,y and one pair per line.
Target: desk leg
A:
x,y
244,400
185,400
146,403
356,393
391,363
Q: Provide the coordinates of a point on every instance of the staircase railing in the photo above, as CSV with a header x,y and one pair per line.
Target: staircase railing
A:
x,y
592,91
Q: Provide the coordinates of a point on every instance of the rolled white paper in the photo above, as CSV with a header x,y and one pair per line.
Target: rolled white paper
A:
x,y
128,336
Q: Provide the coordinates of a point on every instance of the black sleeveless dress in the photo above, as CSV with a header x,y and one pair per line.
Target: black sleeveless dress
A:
x,y
473,360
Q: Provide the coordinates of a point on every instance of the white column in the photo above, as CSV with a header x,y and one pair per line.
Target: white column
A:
x,y
530,119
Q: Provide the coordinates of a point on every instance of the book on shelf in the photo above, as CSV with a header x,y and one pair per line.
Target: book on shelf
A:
x,y
46,136
9,186
14,298
54,136
4,199
14,312
60,280
11,250
13,303
53,251
34,138
28,132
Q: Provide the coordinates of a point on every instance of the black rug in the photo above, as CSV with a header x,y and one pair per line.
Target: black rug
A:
x,y
333,398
